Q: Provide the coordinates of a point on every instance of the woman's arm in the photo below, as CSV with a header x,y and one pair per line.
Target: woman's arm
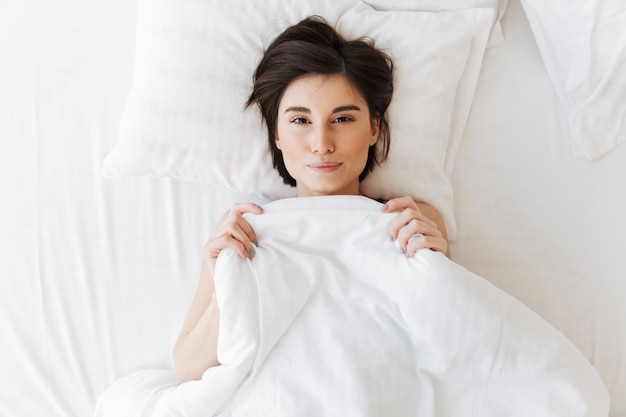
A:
x,y
416,226
195,349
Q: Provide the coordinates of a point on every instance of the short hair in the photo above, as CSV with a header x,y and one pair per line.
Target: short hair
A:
x,y
313,47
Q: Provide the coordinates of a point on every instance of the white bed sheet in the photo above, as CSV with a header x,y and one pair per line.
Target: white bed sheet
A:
x,y
96,276
537,221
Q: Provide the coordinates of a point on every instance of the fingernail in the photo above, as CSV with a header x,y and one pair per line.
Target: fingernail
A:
x,y
384,207
258,208
246,254
251,252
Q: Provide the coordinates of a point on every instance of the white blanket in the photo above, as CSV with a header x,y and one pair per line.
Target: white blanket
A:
x,y
330,318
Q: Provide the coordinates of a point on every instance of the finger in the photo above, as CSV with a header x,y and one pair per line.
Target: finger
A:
x,y
235,215
400,203
407,231
240,237
215,246
233,231
416,242
238,210
424,233
427,242
229,236
244,232
249,207
407,216
421,241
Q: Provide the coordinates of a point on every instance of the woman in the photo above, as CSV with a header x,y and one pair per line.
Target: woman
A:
x,y
323,100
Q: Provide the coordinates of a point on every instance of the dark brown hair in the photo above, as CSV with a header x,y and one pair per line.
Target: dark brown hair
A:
x,y
313,47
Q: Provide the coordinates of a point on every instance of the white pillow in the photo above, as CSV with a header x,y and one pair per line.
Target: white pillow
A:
x,y
496,35
583,45
184,116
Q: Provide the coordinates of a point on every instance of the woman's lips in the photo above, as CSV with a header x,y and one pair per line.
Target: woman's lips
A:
x,y
324,166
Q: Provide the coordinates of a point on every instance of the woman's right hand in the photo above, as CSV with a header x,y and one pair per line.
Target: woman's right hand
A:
x,y
232,231
195,349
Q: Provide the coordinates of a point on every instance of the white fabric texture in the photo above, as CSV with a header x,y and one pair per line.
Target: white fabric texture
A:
x,y
495,36
330,318
184,116
135,394
583,45
540,224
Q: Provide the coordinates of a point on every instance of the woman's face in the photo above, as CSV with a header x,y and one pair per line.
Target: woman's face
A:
x,y
324,131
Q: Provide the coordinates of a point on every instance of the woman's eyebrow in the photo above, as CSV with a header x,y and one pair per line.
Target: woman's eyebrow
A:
x,y
301,109
347,108
298,109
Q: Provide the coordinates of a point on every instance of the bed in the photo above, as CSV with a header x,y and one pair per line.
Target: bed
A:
x,y
101,239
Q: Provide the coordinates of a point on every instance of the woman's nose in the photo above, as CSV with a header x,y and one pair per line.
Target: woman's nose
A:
x,y
322,141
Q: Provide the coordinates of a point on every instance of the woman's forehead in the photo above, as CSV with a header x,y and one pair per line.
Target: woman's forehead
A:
x,y
324,90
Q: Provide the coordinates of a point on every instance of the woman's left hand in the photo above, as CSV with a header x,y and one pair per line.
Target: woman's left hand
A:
x,y
413,229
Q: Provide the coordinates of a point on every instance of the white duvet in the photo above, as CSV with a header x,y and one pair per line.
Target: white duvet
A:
x,y
330,318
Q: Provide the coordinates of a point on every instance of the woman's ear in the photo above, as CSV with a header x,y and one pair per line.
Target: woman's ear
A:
x,y
277,143
375,131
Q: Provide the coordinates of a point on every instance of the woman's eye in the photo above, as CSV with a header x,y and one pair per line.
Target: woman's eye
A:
x,y
343,119
299,120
